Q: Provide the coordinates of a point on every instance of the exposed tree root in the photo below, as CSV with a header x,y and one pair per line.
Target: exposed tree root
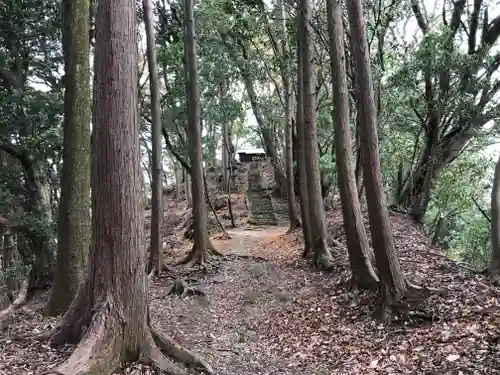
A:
x,y
102,351
18,302
254,257
200,257
357,283
171,348
182,289
96,353
154,357
405,307
333,242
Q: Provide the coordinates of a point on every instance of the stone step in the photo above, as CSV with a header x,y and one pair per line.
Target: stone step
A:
x,y
260,205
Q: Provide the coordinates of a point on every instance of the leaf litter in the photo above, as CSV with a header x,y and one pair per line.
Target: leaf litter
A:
x,y
266,311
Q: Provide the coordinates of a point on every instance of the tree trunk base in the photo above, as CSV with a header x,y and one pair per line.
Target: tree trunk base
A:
x,y
493,272
182,289
200,257
324,260
294,225
322,254
392,304
101,350
369,282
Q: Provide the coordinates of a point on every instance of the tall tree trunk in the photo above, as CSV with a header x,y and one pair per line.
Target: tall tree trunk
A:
x,y
494,268
301,156
227,158
322,257
293,214
357,241
74,208
109,316
393,285
156,256
202,243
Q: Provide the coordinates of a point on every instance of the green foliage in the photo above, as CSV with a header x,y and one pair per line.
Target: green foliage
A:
x,y
467,233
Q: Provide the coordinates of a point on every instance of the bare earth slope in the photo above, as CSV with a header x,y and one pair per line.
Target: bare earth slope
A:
x,y
267,312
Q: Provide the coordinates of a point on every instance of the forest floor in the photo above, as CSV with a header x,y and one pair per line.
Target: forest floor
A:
x,y
267,312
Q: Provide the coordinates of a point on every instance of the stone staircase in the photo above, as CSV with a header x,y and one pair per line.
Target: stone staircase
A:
x,y
258,200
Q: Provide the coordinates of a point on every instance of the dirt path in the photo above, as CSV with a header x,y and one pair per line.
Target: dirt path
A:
x,y
221,325
245,241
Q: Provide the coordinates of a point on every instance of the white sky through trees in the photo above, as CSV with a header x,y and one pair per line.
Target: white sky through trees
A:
x,y
406,32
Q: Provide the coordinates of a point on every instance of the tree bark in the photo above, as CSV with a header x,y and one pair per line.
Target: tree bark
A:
x,y
202,243
74,208
41,235
322,257
178,177
293,214
393,285
156,256
357,241
227,158
187,189
494,268
301,156
109,316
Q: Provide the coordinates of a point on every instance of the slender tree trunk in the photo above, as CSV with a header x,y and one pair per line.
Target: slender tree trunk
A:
x,y
293,214
109,316
156,256
494,268
322,257
393,284
301,165
202,242
74,208
357,241
178,178
226,159
187,189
